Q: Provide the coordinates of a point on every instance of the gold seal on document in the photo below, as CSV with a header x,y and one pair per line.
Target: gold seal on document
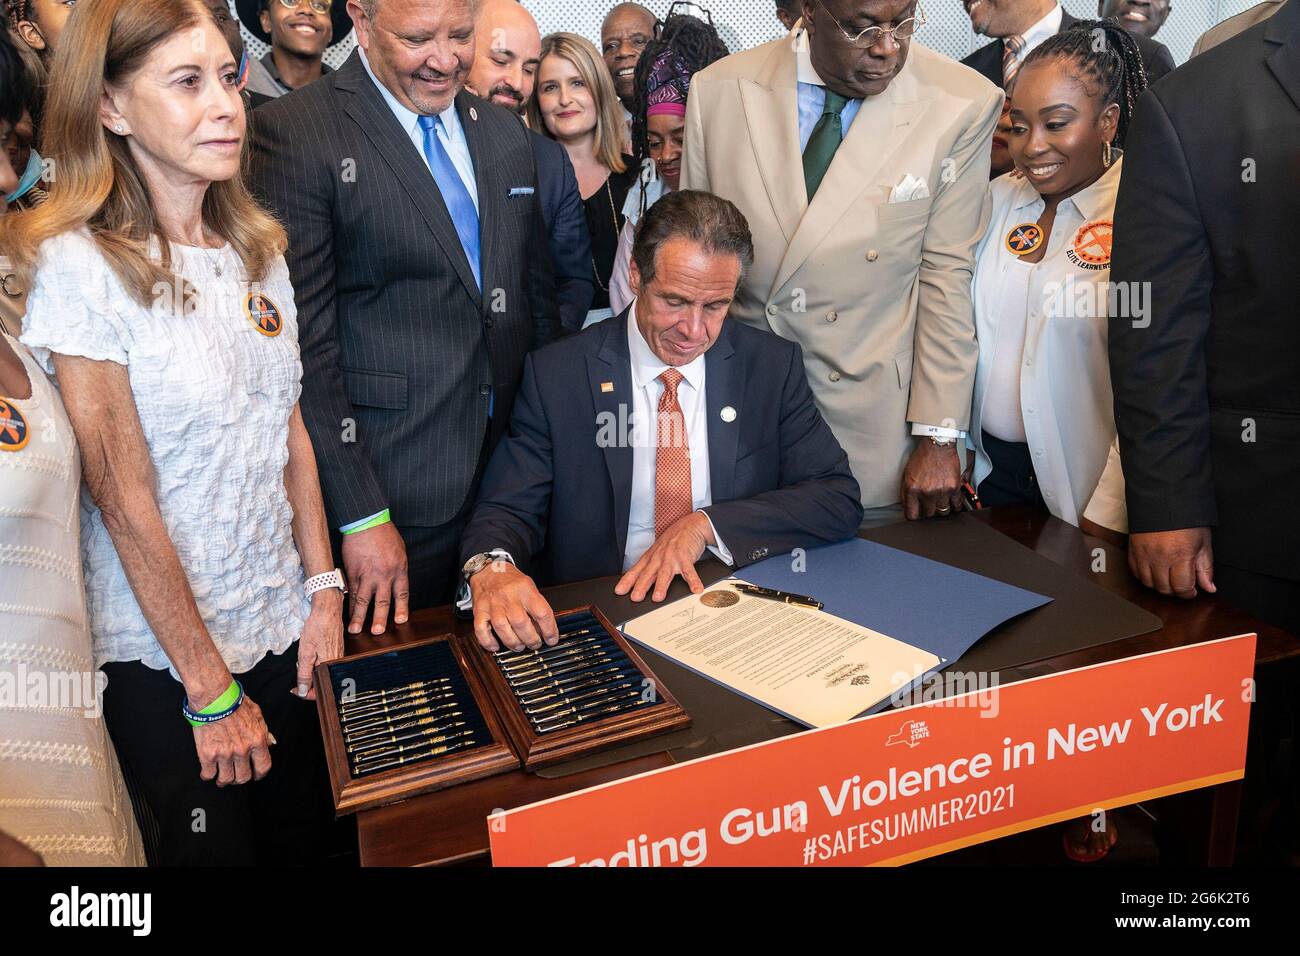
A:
x,y
720,599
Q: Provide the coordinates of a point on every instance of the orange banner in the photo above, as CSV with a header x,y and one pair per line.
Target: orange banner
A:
x,y
917,781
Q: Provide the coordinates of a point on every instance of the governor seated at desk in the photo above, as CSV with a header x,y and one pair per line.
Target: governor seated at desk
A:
x,y
740,464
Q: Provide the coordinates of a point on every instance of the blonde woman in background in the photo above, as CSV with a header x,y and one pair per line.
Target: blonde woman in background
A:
x,y
62,799
574,102
160,299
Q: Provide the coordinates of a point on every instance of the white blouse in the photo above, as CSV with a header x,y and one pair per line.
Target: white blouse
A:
x,y
214,388
1052,360
61,792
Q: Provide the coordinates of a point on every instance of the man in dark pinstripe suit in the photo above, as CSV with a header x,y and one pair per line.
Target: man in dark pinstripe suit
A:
x,y
418,257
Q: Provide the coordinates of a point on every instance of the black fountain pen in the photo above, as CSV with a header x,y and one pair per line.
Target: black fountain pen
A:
x,y
799,600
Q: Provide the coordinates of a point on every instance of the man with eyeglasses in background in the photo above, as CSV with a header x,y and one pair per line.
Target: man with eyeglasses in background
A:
x,y
298,32
861,162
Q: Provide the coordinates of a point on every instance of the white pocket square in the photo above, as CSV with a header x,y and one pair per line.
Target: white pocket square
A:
x,y
908,189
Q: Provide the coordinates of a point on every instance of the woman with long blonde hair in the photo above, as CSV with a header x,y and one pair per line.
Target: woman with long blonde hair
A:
x,y
160,301
574,102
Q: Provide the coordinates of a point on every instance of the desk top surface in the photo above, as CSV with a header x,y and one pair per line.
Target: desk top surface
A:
x,y
450,826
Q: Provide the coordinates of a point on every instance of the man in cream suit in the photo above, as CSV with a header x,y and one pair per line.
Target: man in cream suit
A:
x,y
861,161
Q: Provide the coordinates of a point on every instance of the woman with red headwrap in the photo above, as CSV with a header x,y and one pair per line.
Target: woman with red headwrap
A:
x,y
683,45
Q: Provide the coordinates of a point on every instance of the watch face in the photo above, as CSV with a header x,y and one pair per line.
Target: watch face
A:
x,y
475,564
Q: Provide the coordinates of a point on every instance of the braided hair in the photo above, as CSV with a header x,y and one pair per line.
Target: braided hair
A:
x,y
17,10
694,42
1110,60
13,82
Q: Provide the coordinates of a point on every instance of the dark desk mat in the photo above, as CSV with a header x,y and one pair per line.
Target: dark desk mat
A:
x,y
1081,615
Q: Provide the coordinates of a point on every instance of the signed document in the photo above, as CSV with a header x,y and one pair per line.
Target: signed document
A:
x,y
813,667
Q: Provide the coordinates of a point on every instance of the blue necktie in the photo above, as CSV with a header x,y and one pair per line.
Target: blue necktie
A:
x,y
459,202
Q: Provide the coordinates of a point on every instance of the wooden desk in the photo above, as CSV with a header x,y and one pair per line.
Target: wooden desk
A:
x,y
450,826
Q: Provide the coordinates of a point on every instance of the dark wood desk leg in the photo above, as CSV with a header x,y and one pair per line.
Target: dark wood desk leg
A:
x,y
1225,806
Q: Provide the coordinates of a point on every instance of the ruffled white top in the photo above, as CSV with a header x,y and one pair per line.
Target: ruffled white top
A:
x,y
214,393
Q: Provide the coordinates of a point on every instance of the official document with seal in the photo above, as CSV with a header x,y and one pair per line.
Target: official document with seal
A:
x,y
811,666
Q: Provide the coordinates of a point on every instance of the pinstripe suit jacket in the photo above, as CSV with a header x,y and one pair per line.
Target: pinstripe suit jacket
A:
x,y
401,352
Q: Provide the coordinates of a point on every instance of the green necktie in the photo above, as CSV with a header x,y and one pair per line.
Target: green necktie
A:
x,y
824,141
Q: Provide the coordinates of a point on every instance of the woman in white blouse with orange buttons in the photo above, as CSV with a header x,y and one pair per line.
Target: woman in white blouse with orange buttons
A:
x,y
1042,425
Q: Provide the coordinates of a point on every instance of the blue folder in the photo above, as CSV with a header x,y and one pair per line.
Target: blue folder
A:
x,y
933,606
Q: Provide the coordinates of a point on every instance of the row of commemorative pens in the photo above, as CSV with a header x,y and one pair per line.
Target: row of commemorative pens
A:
x,y
584,677
387,728
557,687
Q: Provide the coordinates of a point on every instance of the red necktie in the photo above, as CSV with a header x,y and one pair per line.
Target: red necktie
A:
x,y
672,457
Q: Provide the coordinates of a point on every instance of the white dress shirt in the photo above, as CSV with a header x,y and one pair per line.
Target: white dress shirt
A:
x,y
1056,350
1049,26
449,131
1000,414
646,391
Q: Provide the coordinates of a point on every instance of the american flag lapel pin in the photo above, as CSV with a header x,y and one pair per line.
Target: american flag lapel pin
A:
x,y
607,386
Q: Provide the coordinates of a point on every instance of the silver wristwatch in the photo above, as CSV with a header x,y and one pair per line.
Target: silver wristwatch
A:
x,y
480,561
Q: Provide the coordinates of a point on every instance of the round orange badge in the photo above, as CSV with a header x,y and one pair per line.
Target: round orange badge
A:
x,y
1025,238
262,312
1091,246
13,427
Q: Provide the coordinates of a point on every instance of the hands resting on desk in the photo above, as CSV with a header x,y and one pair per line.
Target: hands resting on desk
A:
x,y
1170,562
1173,562
508,606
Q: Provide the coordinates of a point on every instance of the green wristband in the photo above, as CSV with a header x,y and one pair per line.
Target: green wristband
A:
x,y
224,702
381,518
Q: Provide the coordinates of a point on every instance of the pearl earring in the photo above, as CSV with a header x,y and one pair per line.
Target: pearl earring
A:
x,y
117,128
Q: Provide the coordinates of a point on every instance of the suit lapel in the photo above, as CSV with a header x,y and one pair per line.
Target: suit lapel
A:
x,y
882,125
1284,30
368,109
723,388
772,113
491,193
610,375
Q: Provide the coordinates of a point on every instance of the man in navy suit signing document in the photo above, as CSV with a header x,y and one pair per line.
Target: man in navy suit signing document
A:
x,y
647,440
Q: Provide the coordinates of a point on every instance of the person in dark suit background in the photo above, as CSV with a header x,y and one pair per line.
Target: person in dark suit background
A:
x,y
413,221
1030,22
1207,400
1142,18
508,46
1230,27
648,438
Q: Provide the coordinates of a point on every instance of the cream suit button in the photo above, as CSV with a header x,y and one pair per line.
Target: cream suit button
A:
x,y
872,255
771,310
832,316
834,376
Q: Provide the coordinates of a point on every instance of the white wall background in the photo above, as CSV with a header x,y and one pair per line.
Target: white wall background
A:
x,y
746,23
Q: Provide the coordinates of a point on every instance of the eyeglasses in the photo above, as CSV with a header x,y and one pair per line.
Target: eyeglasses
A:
x,y
317,6
871,35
